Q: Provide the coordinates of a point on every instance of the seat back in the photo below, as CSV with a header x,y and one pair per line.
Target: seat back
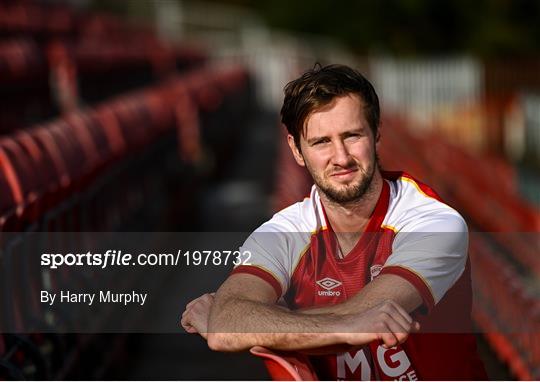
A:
x,y
285,366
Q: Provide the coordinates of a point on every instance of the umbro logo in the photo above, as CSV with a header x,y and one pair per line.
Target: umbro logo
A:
x,y
328,284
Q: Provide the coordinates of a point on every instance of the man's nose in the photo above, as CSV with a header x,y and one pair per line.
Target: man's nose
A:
x,y
341,155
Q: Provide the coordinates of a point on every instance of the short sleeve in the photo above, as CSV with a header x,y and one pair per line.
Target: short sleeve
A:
x,y
272,250
431,253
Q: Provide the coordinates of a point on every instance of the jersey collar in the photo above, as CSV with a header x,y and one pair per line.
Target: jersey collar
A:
x,y
379,212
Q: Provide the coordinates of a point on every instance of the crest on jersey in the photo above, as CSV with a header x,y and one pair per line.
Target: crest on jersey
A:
x,y
375,270
328,284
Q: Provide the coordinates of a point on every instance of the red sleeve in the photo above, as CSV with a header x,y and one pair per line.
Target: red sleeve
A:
x,y
261,273
416,280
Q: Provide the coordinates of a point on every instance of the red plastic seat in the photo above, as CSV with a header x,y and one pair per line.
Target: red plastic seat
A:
x,y
12,198
109,124
71,150
285,366
28,172
57,171
78,127
131,122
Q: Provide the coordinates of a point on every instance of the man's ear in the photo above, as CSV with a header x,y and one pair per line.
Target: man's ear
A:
x,y
378,137
296,153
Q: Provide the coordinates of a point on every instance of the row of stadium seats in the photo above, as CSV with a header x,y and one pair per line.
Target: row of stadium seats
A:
x,y
101,125
507,310
32,18
93,170
487,174
23,59
503,243
481,187
63,154
45,20
54,59
40,81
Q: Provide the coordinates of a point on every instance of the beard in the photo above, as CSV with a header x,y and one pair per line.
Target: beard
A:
x,y
347,193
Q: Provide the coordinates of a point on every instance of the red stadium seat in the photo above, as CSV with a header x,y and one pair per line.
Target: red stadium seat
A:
x,y
57,172
285,366
31,181
12,200
110,126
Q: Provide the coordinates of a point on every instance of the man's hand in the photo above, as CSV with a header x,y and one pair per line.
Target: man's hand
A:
x,y
195,317
387,322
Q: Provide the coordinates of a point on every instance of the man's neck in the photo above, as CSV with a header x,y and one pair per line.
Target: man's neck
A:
x,y
353,217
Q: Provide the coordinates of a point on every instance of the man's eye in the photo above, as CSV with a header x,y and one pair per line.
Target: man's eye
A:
x,y
354,137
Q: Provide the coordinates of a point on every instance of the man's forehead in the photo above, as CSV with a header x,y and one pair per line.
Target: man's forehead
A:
x,y
345,112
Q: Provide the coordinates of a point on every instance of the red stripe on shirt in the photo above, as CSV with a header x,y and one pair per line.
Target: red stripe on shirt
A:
x,y
418,282
395,175
261,273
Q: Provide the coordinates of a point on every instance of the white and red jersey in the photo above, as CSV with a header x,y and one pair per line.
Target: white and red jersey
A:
x,y
412,234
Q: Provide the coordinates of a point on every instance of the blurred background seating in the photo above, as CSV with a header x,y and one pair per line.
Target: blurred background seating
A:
x,y
163,116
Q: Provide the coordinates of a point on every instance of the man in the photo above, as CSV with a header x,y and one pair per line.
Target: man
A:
x,y
362,264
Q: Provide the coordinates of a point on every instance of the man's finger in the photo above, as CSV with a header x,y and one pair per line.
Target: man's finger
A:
x,y
186,324
399,331
402,318
402,312
186,312
184,321
190,304
392,332
388,338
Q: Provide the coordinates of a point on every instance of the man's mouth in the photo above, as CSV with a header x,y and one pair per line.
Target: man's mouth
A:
x,y
344,173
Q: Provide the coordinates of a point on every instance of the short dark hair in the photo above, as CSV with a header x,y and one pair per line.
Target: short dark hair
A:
x,y
318,87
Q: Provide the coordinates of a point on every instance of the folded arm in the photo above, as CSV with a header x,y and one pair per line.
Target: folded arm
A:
x,y
383,288
244,313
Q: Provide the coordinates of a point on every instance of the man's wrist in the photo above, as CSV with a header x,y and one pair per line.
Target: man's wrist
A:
x,y
337,329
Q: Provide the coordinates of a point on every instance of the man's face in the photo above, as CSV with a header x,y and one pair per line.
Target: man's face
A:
x,y
338,149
